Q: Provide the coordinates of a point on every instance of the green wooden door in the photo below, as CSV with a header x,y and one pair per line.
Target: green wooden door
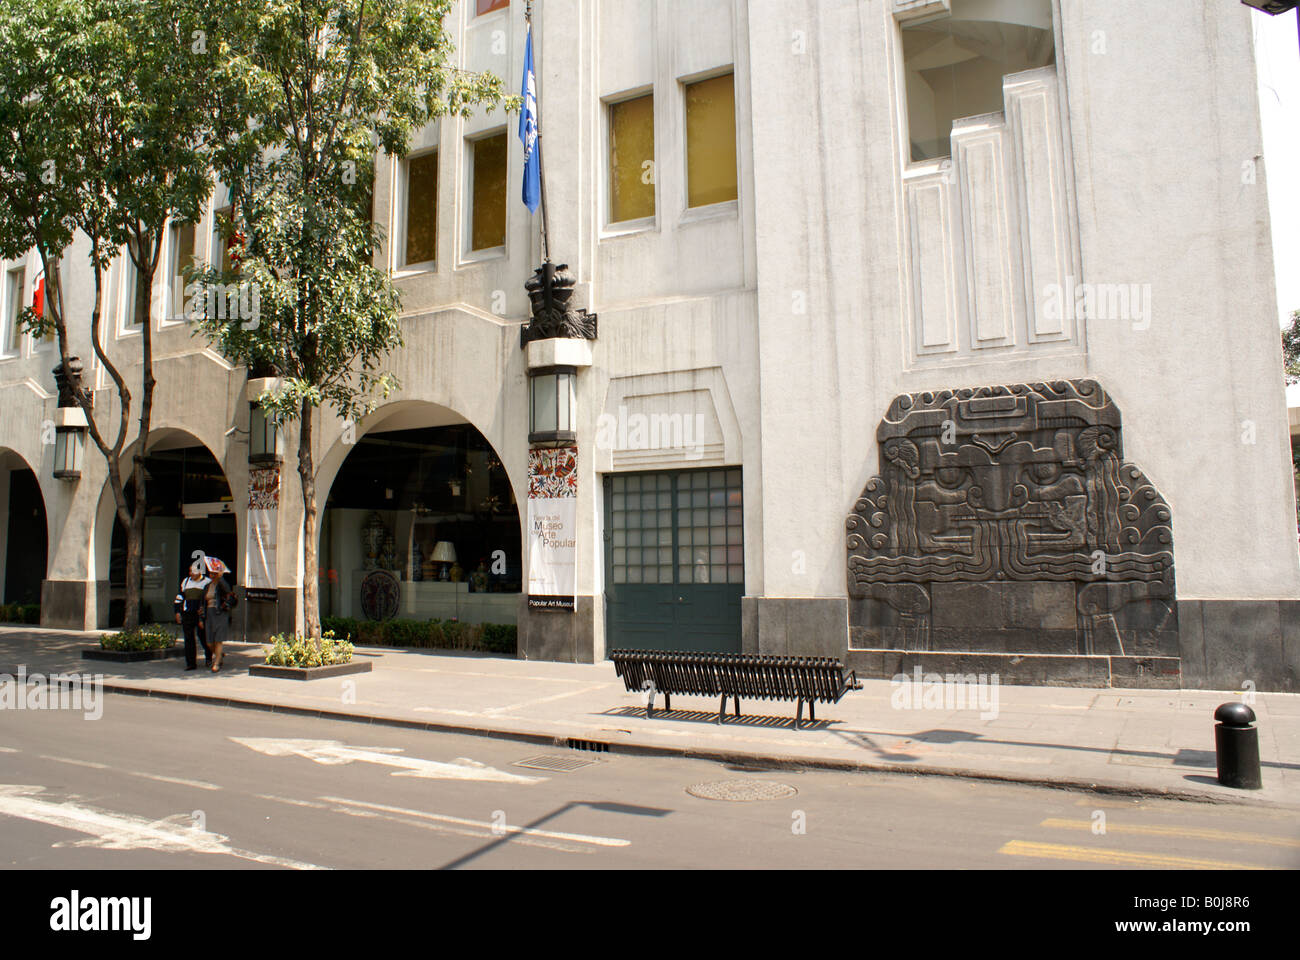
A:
x,y
674,561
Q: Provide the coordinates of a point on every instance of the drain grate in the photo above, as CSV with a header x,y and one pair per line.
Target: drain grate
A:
x,y
742,790
556,764
595,746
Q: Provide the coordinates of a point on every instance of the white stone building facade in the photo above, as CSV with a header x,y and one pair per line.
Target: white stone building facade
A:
x,y
1105,219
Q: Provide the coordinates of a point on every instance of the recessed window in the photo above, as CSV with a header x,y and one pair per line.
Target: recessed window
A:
x,y
954,66
421,209
13,310
711,141
488,192
487,6
180,256
221,244
130,312
632,159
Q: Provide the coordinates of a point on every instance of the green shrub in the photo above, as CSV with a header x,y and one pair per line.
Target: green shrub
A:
x,y
299,651
25,613
425,634
151,637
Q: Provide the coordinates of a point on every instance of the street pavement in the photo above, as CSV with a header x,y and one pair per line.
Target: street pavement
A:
x,y
1131,742
159,783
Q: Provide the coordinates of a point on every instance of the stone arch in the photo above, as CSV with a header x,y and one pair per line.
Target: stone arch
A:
x,y
162,439
13,462
412,415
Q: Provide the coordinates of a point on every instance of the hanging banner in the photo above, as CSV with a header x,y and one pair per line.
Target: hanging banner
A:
x,y
263,510
552,528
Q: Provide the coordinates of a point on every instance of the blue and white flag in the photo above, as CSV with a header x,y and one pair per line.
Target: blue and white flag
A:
x,y
528,132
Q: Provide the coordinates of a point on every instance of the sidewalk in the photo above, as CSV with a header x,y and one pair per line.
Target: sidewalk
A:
x,y
1140,742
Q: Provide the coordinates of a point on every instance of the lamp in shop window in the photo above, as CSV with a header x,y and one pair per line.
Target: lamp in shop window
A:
x,y
445,554
552,404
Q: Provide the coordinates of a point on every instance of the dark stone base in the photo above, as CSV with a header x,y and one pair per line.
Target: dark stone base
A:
x,y
1226,644
310,673
1023,669
794,626
562,636
134,656
68,604
259,620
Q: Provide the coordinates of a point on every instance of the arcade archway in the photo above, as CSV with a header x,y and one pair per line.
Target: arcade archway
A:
x,y
423,508
190,508
25,548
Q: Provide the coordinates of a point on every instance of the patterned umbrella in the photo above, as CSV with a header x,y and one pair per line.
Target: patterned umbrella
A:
x,y
215,567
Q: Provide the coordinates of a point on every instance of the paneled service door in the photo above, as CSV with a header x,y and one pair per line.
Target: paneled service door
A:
x,y
675,561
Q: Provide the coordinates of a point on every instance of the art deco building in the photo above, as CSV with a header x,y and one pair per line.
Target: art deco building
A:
x,y
935,332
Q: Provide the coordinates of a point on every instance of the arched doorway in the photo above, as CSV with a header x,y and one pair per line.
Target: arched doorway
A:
x,y
26,536
190,508
421,523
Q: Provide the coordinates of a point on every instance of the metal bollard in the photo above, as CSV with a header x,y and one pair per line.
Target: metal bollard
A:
x,y
1236,747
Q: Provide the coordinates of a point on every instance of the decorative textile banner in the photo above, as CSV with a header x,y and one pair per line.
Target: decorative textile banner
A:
x,y
263,510
552,528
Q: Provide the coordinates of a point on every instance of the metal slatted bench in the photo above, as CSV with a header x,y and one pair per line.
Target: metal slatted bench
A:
x,y
734,675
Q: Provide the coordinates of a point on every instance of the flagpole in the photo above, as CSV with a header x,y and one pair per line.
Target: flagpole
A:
x,y
541,164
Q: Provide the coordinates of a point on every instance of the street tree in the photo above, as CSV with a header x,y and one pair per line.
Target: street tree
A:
x,y
307,94
103,134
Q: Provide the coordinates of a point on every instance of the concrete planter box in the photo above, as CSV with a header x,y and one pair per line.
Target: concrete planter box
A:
x,y
310,673
134,656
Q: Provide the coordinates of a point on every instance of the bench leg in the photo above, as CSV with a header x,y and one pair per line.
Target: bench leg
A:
x,y
736,701
668,701
650,707
722,709
812,711
798,714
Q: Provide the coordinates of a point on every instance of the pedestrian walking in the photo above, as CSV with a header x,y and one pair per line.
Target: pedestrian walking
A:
x,y
219,599
190,608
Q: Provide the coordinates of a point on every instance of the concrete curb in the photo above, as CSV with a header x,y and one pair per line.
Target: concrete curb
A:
x,y
784,761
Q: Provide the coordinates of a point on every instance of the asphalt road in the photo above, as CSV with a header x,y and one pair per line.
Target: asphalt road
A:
x,y
165,784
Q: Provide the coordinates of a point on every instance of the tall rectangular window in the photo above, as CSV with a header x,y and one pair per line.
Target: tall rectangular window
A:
x,y
13,309
711,141
180,256
632,159
130,318
488,196
487,6
221,243
422,209
954,65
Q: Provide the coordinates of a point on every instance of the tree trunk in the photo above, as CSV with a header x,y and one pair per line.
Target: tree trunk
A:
x,y
310,573
135,529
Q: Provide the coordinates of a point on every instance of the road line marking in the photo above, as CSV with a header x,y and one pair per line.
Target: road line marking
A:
x,y
10,750
1117,858
521,831
77,763
1164,830
197,784
333,752
109,830
477,833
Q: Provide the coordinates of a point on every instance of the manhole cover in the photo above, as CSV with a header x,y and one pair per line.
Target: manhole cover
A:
x,y
556,764
742,790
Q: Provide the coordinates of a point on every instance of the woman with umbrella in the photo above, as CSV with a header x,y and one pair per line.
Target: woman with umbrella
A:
x,y
219,600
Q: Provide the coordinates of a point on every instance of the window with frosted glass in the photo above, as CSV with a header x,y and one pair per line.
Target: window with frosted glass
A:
x,y
711,141
632,159
422,208
954,65
678,528
488,216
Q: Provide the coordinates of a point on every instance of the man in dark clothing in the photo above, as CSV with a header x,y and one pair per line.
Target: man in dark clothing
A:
x,y
190,609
